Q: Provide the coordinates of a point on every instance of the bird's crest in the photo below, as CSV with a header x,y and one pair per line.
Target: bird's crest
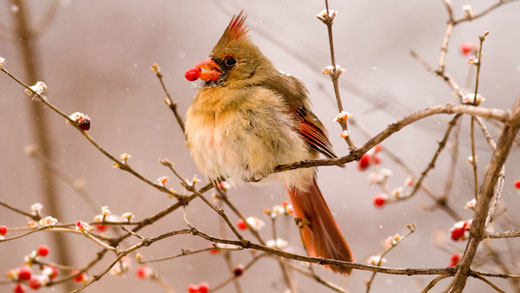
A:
x,y
235,30
236,27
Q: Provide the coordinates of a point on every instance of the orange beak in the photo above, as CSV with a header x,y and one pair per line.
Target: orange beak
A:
x,y
207,70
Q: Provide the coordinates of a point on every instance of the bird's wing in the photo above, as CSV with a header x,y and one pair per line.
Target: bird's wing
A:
x,y
309,127
313,133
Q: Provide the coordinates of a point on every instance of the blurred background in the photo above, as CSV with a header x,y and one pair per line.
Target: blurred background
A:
x,y
95,57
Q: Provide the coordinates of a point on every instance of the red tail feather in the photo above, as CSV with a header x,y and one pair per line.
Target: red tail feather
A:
x,y
321,234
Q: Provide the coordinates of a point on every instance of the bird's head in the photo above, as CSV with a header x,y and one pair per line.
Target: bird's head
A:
x,y
234,61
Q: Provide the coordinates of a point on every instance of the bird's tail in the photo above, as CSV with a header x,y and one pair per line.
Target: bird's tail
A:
x,y
320,232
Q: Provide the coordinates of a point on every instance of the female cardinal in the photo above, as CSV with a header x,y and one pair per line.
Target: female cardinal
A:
x,y
247,119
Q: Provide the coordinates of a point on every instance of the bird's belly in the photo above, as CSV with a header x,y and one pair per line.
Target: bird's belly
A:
x,y
240,153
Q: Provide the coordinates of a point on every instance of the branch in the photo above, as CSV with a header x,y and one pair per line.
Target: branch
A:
x,y
486,113
507,234
485,11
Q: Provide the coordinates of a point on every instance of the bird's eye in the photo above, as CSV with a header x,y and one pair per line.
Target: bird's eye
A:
x,y
230,61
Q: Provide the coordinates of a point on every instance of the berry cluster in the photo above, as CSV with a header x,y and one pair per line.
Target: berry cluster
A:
x,y
25,275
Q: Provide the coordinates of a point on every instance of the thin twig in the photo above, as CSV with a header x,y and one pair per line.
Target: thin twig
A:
x,y
392,245
186,252
328,21
485,11
474,158
16,210
431,165
507,234
490,284
168,100
317,278
234,277
434,282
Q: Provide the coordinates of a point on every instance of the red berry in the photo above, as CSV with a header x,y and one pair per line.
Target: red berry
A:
x,y
285,203
377,159
457,233
380,200
24,273
238,270
79,278
35,283
517,186
101,228
214,251
468,48
455,258
19,288
192,74
3,230
364,162
203,287
378,148
84,124
241,225
141,272
54,272
193,288
43,250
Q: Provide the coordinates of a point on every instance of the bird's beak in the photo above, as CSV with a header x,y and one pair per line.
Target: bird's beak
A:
x,y
207,70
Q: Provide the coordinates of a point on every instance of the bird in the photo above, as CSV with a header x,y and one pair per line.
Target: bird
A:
x,y
247,118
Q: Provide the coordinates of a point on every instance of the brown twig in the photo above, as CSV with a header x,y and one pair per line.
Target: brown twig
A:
x,y
431,165
328,21
392,245
16,210
168,100
507,234
186,252
434,282
484,12
317,278
442,74
489,283
234,277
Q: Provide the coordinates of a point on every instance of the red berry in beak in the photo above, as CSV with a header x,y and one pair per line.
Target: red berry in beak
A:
x,y
192,74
